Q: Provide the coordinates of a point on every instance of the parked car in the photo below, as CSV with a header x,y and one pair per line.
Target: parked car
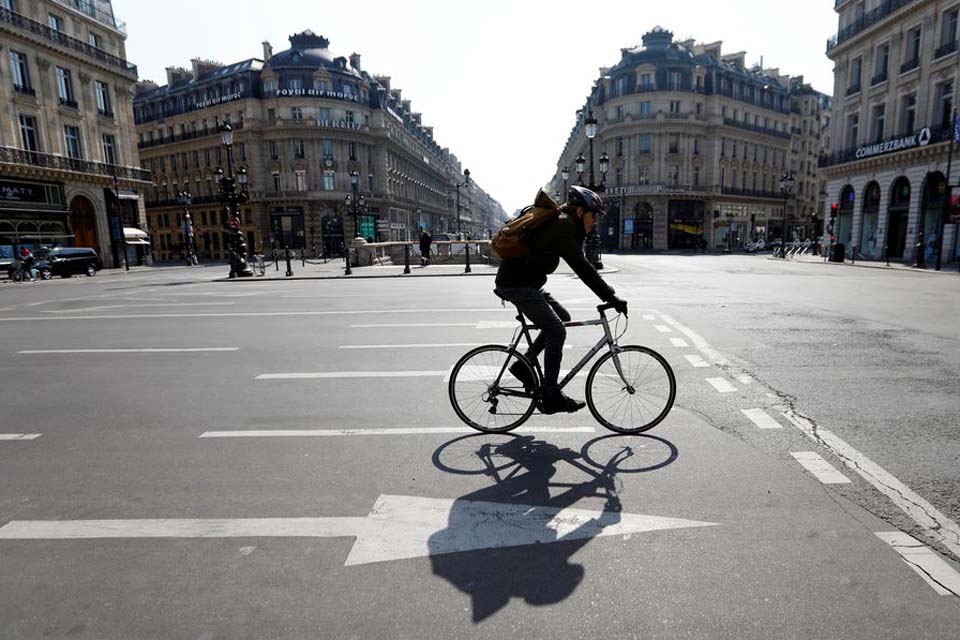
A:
x,y
65,262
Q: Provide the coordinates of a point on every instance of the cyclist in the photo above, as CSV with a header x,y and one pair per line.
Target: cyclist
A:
x,y
520,281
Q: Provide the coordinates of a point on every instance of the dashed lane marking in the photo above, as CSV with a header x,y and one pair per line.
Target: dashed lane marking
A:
x,y
743,378
679,342
350,374
34,352
934,570
662,328
722,385
19,436
412,346
697,361
648,317
820,468
760,418
316,433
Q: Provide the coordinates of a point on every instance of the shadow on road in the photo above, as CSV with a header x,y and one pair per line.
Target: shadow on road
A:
x,y
528,557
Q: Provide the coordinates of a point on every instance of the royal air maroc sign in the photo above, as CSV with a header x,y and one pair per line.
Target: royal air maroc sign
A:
x,y
920,139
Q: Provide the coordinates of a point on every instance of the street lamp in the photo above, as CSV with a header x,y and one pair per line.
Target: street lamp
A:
x,y
466,181
593,240
786,188
233,193
184,199
565,174
356,206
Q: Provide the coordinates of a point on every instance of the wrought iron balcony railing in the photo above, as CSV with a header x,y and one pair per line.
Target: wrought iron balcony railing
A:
x,y
945,49
880,77
22,22
938,133
757,129
186,135
868,19
11,155
910,65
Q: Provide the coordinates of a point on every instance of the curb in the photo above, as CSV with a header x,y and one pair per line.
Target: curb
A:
x,y
372,277
882,267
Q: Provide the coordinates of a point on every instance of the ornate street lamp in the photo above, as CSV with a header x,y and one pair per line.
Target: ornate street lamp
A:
x,y
184,199
356,207
233,193
466,181
592,244
786,188
565,175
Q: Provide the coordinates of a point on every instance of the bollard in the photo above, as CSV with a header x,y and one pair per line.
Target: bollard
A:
x,y
406,258
347,271
853,255
303,257
467,246
886,253
286,251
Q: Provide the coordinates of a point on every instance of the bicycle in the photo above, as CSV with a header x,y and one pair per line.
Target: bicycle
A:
x,y
630,389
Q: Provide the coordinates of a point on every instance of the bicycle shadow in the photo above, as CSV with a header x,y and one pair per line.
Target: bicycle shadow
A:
x,y
539,570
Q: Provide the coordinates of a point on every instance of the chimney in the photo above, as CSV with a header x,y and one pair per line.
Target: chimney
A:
x,y
176,75
406,105
267,50
355,61
417,117
384,82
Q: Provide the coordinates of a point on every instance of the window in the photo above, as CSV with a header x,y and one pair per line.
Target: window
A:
x,y
675,175
21,73
243,151
323,115
72,136
645,108
269,87
353,150
8,4
301,178
619,112
944,104
295,84
55,22
28,133
274,150
879,117
323,85
948,31
619,147
328,181
644,177
276,182
326,148
911,53
646,82
853,129
349,117
673,82
675,144
206,157
65,87
103,98
219,153
645,143
696,146
298,149
696,176
883,61
856,69
908,114
621,86
93,39
296,113
173,163
674,106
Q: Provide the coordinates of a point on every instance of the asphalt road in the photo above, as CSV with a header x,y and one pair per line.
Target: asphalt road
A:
x,y
163,474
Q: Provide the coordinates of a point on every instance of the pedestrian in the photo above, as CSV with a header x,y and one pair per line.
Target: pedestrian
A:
x,y
28,263
425,240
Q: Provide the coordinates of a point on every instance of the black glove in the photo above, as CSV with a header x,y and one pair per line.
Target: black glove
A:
x,y
619,305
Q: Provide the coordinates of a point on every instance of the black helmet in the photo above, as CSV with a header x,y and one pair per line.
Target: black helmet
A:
x,y
582,197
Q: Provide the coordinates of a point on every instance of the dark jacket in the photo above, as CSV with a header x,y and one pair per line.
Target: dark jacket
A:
x,y
425,240
561,237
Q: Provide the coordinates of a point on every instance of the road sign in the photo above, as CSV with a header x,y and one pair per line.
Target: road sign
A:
x,y
397,528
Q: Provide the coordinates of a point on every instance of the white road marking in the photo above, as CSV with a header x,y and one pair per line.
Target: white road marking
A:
x,y
20,436
351,374
934,523
743,378
702,345
662,328
413,324
648,317
934,570
256,314
411,346
402,431
397,528
820,468
722,385
679,342
164,350
165,305
697,361
760,418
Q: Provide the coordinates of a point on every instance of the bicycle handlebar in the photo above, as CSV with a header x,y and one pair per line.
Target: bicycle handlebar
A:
x,y
606,306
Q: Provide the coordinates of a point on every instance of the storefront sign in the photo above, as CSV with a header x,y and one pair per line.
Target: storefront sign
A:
x,y
317,93
22,192
230,97
920,139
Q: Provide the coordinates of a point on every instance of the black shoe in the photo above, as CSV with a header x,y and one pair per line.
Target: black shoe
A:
x,y
557,402
523,374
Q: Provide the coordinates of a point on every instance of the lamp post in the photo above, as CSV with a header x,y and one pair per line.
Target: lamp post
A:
x,y
565,175
356,206
592,248
786,188
466,181
184,199
233,193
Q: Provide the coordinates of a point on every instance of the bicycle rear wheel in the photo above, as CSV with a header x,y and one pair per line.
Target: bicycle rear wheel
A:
x,y
640,398
485,394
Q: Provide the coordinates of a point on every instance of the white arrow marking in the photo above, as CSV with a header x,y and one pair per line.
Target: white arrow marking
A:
x,y
398,527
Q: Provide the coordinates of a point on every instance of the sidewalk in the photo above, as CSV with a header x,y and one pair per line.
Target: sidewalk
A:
x,y
334,269
949,268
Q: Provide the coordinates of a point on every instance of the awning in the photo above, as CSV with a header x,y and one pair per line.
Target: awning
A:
x,y
125,194
132,233
137,241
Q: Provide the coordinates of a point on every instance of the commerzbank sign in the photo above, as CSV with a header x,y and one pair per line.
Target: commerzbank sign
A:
x,y
919,139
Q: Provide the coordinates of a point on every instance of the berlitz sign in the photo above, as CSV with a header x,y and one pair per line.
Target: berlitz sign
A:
x,y
920,139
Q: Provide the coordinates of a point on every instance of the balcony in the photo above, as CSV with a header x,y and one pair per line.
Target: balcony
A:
x,y
11,155
750,193
869,19
186,135
64,102
730,122
910,65
939,133
27,91
945,49
172,202
877,79
852,89
62,39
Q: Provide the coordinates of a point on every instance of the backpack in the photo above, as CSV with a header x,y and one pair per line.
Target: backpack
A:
x,y
512,240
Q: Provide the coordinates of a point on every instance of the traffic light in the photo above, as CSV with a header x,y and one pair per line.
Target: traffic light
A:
x,y
834,208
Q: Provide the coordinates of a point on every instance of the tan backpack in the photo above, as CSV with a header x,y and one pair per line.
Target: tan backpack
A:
x,y
512,240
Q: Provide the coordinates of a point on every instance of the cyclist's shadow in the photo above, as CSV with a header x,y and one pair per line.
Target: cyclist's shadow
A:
x,y
539,573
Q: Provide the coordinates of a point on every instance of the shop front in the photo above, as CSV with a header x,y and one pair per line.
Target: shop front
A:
x,y
684,224
32,215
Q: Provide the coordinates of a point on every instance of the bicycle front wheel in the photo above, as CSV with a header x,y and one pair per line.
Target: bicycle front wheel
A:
x,y
632,390
486,395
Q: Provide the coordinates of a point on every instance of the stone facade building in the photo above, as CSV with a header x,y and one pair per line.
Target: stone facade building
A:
x,y
67,134
895,88
308,125
697,144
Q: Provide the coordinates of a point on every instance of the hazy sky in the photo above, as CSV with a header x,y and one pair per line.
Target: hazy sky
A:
x,y
499,80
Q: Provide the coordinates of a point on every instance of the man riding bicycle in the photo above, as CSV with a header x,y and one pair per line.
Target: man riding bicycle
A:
x,y
520,281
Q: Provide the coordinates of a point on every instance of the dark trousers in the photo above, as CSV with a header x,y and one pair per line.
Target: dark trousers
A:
x,y
548,315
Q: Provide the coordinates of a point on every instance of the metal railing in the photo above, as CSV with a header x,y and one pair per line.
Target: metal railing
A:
x,y
186,135
88,7
910,65
753,193
943,50
11,155
880,77
852,89
757,129
868,19
22,22
938,133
